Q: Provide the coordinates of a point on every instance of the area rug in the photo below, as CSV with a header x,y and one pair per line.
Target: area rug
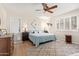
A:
x,y
53,48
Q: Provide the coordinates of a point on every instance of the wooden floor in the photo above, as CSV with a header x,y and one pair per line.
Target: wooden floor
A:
x,y
53,48
20,49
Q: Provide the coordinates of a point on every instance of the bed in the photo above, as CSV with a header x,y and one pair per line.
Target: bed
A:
x,y
38,38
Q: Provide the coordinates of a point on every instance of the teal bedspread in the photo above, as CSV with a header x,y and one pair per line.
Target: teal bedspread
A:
x,y
38,38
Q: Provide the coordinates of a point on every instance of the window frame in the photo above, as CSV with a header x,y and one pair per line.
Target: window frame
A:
x,y
70,28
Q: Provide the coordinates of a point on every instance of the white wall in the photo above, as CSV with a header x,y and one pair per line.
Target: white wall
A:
x,y
3,16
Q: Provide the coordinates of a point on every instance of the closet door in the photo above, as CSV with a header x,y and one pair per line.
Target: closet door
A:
x,y
14,25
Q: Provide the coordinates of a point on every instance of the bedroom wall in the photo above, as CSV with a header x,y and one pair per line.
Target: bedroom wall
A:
x,y
61,34
3,17
25,21
13,25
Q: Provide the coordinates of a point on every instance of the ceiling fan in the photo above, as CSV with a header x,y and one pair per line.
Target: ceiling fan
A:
x,y
48,8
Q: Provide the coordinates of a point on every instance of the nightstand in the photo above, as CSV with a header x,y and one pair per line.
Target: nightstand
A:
x,y
25,36
68,39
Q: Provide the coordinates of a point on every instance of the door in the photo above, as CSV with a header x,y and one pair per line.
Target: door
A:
x,y
14,25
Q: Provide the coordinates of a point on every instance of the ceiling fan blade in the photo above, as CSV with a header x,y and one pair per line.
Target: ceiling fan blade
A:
x,y
55,6
50,11
44,4
45,7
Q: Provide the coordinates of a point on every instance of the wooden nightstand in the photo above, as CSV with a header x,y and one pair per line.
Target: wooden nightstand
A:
x,y
68,39
25,36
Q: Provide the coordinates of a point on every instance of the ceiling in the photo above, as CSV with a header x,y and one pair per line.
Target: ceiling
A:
x,y
36,8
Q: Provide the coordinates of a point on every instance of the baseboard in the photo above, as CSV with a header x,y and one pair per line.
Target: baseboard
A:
x,y
75,42
18,41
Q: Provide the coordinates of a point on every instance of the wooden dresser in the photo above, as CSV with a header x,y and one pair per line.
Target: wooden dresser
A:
x,y
6,45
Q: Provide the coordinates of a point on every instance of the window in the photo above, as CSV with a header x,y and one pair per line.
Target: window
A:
x,y
68,23
74,22
61,24
57,24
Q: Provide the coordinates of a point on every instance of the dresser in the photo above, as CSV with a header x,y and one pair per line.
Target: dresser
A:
x,y
6,45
